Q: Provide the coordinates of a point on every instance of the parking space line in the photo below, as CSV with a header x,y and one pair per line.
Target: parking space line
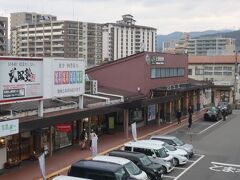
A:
x,y
173,177
202,156
191,161
197,154
209,127
179,168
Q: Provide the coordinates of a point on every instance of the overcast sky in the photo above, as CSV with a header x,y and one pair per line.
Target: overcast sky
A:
x,y
165,15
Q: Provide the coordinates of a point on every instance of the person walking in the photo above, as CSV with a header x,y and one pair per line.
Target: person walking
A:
x,y
224,114
178,115
83,139
190,112
92,135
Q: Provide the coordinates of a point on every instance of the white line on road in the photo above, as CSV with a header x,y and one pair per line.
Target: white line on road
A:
x,y
191,161
189,167
179,168
235,165
168,176
209,127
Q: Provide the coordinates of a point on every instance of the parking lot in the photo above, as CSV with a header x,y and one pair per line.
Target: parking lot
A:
x,y
180,170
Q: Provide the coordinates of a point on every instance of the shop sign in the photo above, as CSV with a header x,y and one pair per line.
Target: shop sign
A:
x,y
155,60
9,127
63,127
151,112
68,77
20,79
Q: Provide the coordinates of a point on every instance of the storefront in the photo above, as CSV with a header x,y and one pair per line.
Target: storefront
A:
x,y
63,135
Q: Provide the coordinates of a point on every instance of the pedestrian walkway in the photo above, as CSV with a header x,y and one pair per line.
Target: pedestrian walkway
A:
x,y
62,159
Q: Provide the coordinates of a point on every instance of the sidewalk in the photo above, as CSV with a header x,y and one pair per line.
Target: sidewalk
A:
x,y
61,160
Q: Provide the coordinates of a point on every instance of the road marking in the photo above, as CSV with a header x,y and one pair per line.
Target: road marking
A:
x,y
179,168
191,161
224,164
173,177
209,127
202,156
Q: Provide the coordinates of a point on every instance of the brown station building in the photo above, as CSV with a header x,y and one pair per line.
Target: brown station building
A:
x,y
146,88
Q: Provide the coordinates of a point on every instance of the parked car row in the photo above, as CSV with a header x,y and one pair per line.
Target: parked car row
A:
x,y
214,113
139,160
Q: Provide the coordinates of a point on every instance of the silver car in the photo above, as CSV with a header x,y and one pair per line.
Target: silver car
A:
x,y
172,140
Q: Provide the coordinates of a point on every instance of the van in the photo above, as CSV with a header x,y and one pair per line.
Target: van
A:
x,y
98,170
156,153
180,156
153,170
68,178
132,170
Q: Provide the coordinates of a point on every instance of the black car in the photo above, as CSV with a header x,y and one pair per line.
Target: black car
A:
x,y
153,170
226,106
213,114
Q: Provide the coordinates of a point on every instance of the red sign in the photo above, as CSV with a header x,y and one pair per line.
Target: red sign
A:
x,y
63,127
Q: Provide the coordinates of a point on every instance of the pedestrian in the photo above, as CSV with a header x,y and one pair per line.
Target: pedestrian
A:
x,y
178,115
224,113
190,112
83,139
92,135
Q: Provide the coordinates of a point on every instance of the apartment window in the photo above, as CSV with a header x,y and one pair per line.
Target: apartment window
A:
x,y
166,72
189,71
198,71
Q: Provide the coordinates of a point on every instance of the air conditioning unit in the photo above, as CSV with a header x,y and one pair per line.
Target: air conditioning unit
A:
x,y
93,87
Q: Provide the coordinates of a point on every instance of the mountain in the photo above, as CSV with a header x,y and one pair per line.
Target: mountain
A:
x,y
177,35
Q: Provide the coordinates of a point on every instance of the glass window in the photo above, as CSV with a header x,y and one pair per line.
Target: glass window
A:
x,y
208,73
161,153
171,72
153,73
167,72
227,73
218,73
132,168
175,72
198,71
189,71
145,160
178,142
163,74
127,148
120,174
169,147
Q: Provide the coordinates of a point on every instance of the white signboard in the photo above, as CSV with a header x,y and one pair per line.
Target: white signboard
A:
x,y
134,131
9,127
20,79
41,160
94,146
68,77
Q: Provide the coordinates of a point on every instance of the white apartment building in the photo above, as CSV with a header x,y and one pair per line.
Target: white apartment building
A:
x,y
20,18
124,38
3,35
222,71
59,39
211,46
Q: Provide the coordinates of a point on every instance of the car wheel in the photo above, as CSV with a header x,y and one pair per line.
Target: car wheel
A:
x,y
176,161
164,169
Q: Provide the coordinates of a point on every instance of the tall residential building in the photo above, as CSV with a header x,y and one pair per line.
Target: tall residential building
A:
x,y
59,39
20,18
205,46
209,46
3,35
124,38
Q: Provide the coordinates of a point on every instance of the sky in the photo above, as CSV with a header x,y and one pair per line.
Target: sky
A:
x,y
166,16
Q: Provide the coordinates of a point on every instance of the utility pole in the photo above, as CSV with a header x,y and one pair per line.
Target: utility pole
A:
x,y
235,87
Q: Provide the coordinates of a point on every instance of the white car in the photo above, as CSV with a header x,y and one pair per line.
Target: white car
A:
x,y
180,156
174,141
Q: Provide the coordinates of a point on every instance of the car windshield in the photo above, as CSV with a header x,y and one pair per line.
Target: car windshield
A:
x,y
169,147
161,153
145,160
178,142
132,168
121,174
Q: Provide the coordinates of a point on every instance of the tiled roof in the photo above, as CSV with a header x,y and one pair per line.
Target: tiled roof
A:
x,y
213,59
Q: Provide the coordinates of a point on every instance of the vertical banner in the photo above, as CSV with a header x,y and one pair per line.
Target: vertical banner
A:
x,y
94,146
134,131
41,160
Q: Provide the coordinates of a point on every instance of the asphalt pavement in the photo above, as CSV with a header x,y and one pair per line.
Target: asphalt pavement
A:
x,y
217,146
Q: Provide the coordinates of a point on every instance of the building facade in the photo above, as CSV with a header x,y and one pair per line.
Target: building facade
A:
x,y
59,39
222,71
3,36
124,38
20,18
211,46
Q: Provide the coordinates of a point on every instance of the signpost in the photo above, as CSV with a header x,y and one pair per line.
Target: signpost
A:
x,y
9,127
